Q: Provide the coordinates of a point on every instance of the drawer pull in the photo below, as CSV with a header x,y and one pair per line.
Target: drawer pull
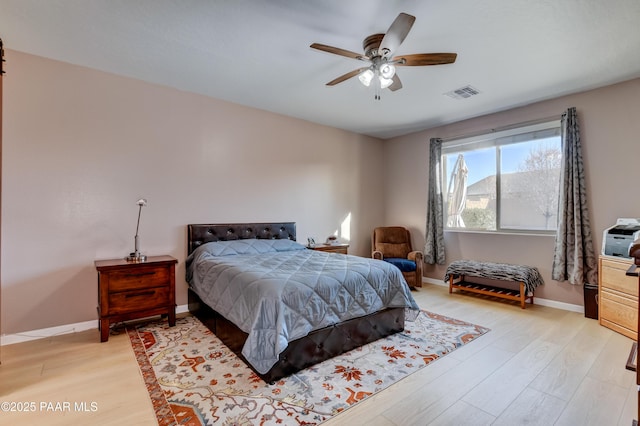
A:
x,y
140,293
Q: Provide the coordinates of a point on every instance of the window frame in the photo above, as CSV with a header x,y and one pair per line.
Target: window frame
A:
x,y
494,139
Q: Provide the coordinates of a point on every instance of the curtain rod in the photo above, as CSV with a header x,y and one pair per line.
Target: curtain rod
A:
x,y
500,129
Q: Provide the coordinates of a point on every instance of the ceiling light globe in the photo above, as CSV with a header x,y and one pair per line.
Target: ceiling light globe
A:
x,y
387,71
366,77
385,82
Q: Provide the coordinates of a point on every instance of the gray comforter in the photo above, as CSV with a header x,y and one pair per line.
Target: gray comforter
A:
x,y
278,291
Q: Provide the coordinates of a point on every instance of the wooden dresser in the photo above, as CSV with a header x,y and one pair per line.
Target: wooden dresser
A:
x,y
332,248
632,363
132,290
618,296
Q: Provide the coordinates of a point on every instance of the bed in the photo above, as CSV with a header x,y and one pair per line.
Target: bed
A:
x,y
311,305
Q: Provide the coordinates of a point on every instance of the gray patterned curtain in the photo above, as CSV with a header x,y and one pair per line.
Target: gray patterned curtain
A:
x,y
574,259
434,247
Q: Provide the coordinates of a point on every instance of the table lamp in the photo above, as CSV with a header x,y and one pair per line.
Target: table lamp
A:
x,y
136,256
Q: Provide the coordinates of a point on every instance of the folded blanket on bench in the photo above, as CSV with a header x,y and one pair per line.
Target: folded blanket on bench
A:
x,y
529,275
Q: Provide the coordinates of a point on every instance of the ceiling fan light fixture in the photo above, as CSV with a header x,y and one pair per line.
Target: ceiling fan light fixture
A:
x,y
385,82
387,71
366,77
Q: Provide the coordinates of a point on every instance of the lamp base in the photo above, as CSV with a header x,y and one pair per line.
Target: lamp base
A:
x,y
136,257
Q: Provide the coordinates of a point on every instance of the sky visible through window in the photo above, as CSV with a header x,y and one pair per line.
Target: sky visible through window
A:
x,y
482,163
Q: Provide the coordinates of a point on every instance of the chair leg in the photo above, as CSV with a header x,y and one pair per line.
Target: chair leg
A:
x,y
412,280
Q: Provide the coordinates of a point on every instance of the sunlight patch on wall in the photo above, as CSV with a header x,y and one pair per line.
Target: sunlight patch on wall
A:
x,y
345,228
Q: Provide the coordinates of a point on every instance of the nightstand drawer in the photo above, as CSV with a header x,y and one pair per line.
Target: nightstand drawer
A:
x,y
138,300
141,278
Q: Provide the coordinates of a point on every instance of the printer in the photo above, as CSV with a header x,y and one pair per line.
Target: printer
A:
x,y
617,239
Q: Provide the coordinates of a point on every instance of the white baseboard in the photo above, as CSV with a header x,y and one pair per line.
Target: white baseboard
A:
x,y
434,282
559,305
43,333
25,336
538,300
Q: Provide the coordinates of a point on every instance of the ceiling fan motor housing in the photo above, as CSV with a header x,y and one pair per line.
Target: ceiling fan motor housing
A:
x,y
371,44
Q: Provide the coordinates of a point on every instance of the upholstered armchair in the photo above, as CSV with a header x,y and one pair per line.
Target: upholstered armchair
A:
x,y
393,244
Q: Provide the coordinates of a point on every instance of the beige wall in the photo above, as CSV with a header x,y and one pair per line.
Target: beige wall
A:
x,y
610,132
81,146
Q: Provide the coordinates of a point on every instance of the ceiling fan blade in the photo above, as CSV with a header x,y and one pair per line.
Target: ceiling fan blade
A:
x,y
346,76
396,34
396,85
420,59
338,51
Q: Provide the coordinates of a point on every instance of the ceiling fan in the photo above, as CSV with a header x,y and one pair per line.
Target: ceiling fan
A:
x,y
378,53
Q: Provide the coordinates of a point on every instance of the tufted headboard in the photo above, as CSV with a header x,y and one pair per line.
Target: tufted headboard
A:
x,y
198,234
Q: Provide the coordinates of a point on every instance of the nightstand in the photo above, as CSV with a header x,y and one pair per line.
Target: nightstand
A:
x,y
332,248
132,290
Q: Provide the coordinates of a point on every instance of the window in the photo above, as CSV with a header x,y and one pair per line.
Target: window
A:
x,y
505,181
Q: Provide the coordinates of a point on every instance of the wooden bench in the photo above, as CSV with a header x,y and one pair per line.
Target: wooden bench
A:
x,y
527,278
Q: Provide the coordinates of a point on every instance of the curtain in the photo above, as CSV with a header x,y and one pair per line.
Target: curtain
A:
x,y
574,258
434,247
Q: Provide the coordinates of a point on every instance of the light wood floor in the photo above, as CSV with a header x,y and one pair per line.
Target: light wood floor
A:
x,y
538,366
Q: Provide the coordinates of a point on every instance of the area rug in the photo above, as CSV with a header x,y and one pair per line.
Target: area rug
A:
x,y
194,379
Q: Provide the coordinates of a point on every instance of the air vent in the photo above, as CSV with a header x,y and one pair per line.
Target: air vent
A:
x,y
463,92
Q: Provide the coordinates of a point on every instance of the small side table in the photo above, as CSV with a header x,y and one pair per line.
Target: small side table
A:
x,y
332,248
132,290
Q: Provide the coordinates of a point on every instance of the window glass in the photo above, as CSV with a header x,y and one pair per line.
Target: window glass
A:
x,y
529,184
506,182
470,198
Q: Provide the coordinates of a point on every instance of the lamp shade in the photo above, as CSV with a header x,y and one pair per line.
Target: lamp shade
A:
x,y
387,71
385,82
366,77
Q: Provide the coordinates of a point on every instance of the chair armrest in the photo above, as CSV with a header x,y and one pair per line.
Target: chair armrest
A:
x,y
377,255
416,256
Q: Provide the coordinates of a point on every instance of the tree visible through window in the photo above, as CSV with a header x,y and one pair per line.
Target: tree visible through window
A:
x,y
508,181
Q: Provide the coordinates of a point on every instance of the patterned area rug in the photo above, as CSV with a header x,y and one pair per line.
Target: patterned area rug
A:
x,y
194,379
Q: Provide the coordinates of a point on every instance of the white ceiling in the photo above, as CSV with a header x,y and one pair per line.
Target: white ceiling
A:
x,y
256,52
